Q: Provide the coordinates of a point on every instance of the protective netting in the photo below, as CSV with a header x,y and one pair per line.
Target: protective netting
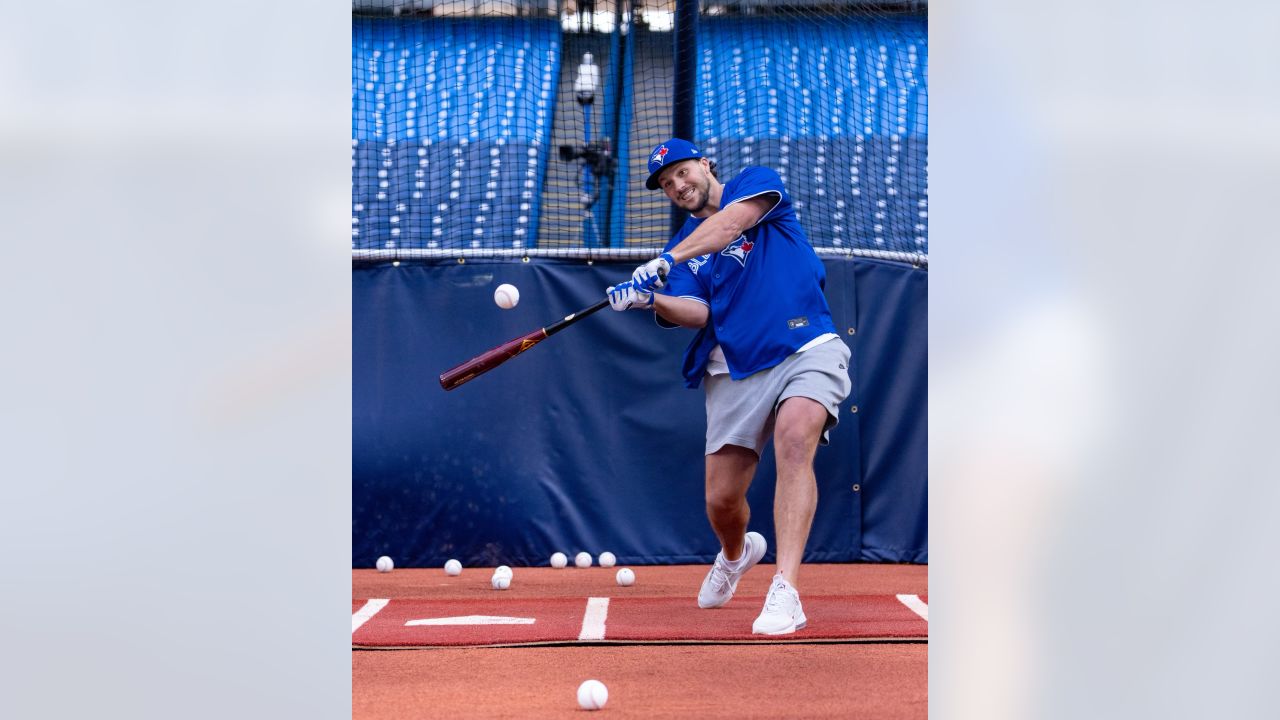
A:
x,y
512,127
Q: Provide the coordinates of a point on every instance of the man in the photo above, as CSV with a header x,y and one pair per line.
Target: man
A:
x,y
742,271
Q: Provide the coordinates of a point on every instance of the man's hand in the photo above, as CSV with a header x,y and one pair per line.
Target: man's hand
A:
x,y
624,296
653,274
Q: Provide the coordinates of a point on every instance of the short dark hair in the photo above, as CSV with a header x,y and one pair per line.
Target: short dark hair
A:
x,y
714,174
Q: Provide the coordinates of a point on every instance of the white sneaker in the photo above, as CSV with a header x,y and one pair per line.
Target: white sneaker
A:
x,y
721,582
782,614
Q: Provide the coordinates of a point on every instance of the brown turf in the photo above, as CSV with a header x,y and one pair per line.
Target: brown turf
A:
x,y
651,581
701,681
690,681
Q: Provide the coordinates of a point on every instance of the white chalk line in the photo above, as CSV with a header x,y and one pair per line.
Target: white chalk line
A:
x,y
364,614
916,605
593,619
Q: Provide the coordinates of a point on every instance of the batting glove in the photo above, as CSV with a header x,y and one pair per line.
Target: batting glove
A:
x,y
653,274
624,296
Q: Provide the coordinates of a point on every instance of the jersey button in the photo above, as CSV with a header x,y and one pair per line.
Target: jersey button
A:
x,y
717,276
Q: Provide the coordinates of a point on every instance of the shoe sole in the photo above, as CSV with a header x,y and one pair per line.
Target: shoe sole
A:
x,y
733,588
787,631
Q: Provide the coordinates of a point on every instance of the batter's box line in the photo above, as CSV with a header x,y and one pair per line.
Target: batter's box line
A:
x,y
593,619
915,605
365,614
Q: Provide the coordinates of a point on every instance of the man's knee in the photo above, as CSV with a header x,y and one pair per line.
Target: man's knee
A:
x,y
798,428
729,472
794,448
724,499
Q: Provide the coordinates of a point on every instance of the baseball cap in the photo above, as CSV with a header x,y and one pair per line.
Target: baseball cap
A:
x,y
666,155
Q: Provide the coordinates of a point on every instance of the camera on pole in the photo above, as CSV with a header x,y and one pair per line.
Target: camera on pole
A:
x,y
598,155
588,79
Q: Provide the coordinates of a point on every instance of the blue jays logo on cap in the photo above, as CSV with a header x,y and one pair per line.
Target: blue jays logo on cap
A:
x,y
666,154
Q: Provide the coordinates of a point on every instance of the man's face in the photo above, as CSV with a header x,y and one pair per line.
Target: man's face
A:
x,y
687,184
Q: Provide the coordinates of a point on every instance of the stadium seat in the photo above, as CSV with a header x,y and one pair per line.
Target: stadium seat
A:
x,y
448,120
838,108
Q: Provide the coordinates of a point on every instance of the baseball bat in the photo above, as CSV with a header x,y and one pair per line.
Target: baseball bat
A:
x,y
491,359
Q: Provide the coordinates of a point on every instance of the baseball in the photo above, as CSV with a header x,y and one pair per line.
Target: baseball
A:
x,y
607,559
626,578
559,560
453,567
506,296
592,695
500,582
503,570
582,560
384,564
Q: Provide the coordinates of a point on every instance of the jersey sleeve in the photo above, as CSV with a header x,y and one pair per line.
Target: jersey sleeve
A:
x,y
683,282
761,181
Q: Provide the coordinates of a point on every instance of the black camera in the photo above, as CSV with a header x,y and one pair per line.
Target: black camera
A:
x,y
597,155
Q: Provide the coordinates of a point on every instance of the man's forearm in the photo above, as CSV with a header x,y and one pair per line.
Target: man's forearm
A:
x,y
725,226
715,234
681,311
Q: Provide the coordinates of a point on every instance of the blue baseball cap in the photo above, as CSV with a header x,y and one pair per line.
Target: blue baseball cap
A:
x,y
667,154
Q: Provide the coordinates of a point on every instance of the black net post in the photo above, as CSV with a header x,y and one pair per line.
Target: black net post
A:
x,y
685,84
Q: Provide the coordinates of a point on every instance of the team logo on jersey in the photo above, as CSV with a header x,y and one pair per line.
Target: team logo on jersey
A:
x,y
739,249
695,263
659,155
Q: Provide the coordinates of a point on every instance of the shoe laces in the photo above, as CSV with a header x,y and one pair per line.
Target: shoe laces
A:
x,y
719,575
780,599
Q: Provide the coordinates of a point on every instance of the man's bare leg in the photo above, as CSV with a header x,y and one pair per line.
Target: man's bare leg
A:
x,y
797,429
729,473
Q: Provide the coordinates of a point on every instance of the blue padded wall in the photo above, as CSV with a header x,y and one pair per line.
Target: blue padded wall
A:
x,y
891,378
589,441
451,121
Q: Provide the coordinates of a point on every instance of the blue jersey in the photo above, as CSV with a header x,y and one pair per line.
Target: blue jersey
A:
x,y
765,289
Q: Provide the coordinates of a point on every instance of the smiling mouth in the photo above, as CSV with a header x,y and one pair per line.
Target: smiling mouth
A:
x,y
687,194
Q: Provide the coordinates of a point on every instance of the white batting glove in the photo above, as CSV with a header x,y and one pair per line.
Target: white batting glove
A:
x,y
624,296
653,274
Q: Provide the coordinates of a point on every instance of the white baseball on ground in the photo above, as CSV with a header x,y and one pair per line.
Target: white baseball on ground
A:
x,y
559,560
607,559
500,582
506,295
453,567
503,570
592,695
626,578
384,564
582,560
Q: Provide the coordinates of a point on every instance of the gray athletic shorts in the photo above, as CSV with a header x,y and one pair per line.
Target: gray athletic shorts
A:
x,y
741,412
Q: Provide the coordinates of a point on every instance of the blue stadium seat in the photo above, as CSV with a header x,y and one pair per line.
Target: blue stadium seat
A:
x,y
839,108
447,195
450,122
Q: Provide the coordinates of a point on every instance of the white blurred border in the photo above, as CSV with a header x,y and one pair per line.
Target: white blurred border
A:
x,y
176,422
1103,345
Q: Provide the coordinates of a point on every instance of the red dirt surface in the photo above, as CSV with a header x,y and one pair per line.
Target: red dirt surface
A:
x,y
630,619
688,681
644,681
651,581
